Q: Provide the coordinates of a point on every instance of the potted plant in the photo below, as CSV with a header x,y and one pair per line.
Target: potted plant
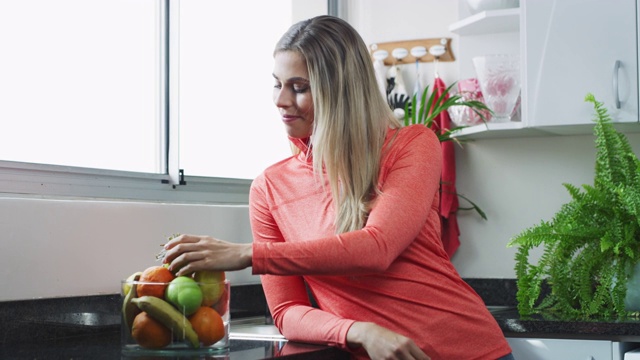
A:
x,y
433,104
592,244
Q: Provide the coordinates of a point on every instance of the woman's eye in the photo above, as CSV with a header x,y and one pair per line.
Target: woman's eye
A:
x,y
300,89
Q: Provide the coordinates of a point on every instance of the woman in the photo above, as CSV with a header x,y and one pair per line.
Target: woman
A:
x,y
353,215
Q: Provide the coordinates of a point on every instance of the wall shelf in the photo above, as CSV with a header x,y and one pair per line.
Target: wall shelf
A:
x,y
518,129
497,130
487,22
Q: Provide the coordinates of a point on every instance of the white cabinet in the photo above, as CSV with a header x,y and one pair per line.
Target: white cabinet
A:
x,y
568,349
568,48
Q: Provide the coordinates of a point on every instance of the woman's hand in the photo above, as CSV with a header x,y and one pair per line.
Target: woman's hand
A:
x,y
383,344
189,253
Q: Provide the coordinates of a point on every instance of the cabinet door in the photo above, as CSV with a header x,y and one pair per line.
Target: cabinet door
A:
x,y
570,49
555,349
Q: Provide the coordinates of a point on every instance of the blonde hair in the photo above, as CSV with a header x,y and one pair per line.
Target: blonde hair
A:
x,y
351,115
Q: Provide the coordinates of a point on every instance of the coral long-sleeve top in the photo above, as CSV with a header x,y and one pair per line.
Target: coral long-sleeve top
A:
x,y
393,272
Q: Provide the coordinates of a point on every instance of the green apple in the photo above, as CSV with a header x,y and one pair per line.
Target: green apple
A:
x,y
212,285
185,294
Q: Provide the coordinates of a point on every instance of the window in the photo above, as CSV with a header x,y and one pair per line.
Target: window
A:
x,y
93,95
79,83
229,126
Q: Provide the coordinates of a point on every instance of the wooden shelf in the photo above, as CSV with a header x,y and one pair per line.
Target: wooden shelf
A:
x,y
408,44
487,22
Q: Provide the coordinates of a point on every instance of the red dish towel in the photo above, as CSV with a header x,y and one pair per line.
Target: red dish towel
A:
x,y
448,195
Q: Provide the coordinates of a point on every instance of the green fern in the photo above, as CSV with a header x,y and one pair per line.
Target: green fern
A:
x,y
591,241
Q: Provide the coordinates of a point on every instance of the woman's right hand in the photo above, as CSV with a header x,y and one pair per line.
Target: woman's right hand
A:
x,y
382,343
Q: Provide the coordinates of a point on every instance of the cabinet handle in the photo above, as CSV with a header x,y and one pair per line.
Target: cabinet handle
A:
x,y
616,97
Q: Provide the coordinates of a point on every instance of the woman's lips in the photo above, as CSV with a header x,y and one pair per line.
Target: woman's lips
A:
x,y
289,118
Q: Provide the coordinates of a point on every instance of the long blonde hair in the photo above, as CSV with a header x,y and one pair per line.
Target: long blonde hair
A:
x,y
351,115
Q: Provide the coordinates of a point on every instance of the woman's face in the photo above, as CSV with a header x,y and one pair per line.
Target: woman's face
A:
x,y
292,94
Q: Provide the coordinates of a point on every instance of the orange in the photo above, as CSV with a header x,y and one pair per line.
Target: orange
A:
x,y
149,332
208,325
154,274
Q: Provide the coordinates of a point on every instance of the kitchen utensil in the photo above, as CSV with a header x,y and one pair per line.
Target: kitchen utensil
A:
x,y
468,90
418,52
398,96
381,69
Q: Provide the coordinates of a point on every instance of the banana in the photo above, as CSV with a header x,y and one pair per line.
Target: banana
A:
x,y
129,282
129,309
170,317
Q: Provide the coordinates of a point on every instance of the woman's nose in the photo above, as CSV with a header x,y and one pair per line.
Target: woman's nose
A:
x,y
281,98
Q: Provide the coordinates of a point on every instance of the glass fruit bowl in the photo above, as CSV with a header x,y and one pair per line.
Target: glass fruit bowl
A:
x,y
188,315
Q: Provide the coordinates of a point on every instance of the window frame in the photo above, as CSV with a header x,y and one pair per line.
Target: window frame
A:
x,y
76,182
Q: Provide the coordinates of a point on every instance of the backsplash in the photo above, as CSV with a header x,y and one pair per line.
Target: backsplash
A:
x,y
63,248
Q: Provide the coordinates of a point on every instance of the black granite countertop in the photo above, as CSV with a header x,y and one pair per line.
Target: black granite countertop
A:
x,y
539,326
500,296
106,345
89,327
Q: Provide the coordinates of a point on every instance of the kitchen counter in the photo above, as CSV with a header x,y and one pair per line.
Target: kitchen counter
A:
x,y
500,297
105,343
89,327
96,335
107,346
539,326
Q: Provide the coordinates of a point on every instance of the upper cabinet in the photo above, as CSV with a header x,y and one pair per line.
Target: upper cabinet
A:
x,y
568,48
573,47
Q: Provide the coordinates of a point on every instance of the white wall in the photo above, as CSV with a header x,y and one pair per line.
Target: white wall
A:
x,y
399,20
518,182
